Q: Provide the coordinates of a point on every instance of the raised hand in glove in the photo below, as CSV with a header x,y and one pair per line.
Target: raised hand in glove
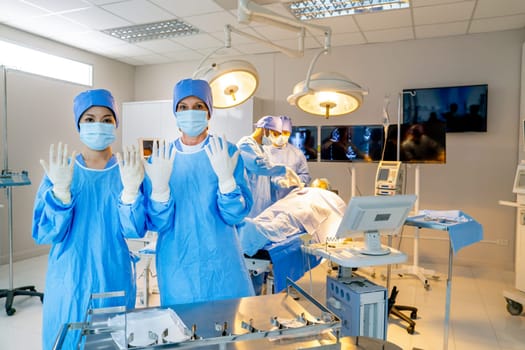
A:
x,y
59,170
222,163
131,173
159,170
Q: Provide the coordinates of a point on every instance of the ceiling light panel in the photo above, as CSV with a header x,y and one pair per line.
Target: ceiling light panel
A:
x,y
152,31
318,9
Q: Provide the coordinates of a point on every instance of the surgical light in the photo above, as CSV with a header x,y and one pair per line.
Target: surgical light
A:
x,y
326,93
232,82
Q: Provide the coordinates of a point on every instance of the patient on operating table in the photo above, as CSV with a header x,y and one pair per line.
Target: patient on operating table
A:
x,y
316,211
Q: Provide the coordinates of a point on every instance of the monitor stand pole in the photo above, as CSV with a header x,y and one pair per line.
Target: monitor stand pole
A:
x,y
415,269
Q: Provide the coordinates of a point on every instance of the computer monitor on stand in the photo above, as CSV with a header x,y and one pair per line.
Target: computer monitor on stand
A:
x,y
372,216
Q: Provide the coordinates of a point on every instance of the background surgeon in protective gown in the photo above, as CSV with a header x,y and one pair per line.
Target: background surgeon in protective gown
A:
x,y
282,152
258,166
84,208
195,210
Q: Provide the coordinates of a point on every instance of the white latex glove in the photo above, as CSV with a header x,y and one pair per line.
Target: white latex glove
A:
x,y
60,171
222,163
131,173
159,170
291,179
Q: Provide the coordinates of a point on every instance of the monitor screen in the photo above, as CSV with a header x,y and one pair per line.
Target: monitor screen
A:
x,y
372,216
462,108
352,143
419,143
305,138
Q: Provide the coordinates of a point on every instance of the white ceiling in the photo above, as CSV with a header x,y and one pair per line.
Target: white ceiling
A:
x,y
79,23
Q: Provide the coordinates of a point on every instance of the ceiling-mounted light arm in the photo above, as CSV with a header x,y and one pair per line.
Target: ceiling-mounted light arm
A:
x,y
248,11
286,51
310,69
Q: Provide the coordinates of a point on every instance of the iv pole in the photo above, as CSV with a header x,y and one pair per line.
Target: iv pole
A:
x,y
11,180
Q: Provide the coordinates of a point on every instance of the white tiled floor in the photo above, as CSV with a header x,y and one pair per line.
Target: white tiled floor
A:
x,y
479,319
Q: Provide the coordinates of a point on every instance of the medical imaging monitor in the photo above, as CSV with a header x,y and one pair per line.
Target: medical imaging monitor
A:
x,y
373,216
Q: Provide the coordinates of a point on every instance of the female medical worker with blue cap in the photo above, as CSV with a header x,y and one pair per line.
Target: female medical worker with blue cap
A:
x,y
258,165
195,210
282,152
84,208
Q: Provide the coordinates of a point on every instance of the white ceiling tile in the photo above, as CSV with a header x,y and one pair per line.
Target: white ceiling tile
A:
x,y
12,11
236,38
396,34
454,12
276,33
182,8
49,25
491,8
130,60
138,11
498,23
161,46
186,55
440,30
198,41
340,24
211,22
419,3
89,39
97,18
384,20
348,39
126,50
254,48
58,5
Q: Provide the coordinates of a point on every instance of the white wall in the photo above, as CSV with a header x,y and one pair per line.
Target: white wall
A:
x,y
40,112
480,166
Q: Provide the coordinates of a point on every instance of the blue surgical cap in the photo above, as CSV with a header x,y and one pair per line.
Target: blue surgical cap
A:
x,y
287,123
192,87
90,98
270,122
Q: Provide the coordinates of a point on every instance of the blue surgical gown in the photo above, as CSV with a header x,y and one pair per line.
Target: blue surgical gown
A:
x,y
88,252
199,256
293,158
258,170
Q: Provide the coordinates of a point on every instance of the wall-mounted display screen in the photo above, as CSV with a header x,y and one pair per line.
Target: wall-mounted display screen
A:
x,y
462,108
305,138
354,143
419,143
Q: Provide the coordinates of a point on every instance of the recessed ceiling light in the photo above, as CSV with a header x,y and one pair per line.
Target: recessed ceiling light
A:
x,y
152,31
317,9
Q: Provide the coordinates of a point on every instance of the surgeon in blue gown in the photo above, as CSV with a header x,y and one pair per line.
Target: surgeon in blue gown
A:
x,y
84,208
283,152
194,205
258,165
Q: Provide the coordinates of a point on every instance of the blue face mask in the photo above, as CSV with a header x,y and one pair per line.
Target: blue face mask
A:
x,y
97,136
192,122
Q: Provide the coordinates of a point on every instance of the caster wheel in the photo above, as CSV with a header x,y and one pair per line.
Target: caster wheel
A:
x,y
410,330
413,315
514,308
10,311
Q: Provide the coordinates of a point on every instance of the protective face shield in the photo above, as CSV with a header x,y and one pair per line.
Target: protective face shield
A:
x,y
279,141
192,87
192,122
90,98
97,136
